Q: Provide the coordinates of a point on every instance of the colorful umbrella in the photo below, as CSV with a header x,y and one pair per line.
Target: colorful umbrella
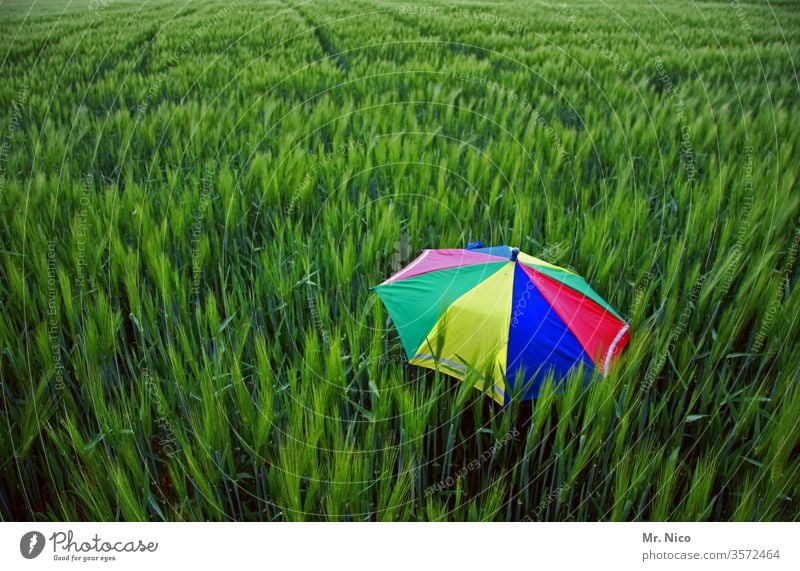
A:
x,y
504,315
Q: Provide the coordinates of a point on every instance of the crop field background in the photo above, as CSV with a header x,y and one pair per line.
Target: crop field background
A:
x,y
197,195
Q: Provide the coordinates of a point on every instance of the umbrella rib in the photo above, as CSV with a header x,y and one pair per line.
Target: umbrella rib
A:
x,y
447,362
610,352
407,268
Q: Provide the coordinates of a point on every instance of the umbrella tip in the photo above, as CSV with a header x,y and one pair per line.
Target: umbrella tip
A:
x,y
514,254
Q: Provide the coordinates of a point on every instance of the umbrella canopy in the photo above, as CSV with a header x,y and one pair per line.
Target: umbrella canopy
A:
x,y
502,314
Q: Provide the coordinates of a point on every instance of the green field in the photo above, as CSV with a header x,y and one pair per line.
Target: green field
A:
x,y
196,197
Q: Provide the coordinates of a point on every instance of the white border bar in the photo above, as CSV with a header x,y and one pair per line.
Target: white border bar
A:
x,y
396,546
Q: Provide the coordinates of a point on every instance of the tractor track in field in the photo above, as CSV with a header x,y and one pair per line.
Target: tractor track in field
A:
x,y
460,49
430,32
328,47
